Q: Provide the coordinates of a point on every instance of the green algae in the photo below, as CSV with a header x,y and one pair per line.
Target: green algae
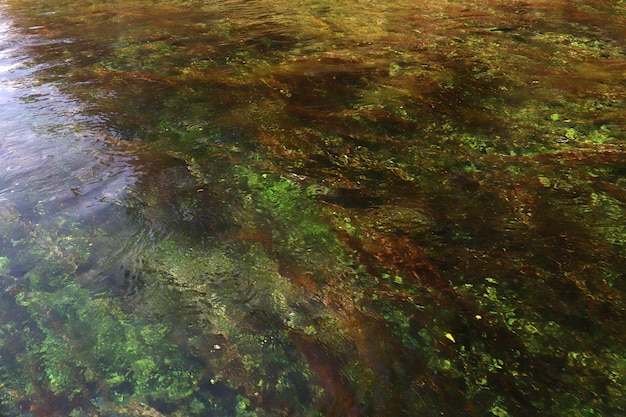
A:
x,y
77,340
294,221
111,349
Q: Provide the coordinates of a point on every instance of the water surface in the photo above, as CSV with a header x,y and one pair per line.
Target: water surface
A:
x,y
269,208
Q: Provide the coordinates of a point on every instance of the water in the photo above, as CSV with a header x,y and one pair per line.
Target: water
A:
x,y
265,208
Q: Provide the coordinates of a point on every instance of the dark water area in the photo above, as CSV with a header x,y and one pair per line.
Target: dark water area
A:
x,y
273,208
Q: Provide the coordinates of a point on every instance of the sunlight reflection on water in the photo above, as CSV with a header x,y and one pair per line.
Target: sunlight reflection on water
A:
x,y
47,148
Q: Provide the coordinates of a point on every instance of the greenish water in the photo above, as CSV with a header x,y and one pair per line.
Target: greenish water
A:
x,y
273,208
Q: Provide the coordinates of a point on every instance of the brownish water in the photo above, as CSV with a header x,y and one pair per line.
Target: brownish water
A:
x,y
271,208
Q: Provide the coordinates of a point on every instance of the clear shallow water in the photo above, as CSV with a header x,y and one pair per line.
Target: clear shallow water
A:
x,y
59,171
268,208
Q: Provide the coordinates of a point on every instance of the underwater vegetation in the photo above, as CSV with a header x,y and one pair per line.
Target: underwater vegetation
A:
x,y
355,209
